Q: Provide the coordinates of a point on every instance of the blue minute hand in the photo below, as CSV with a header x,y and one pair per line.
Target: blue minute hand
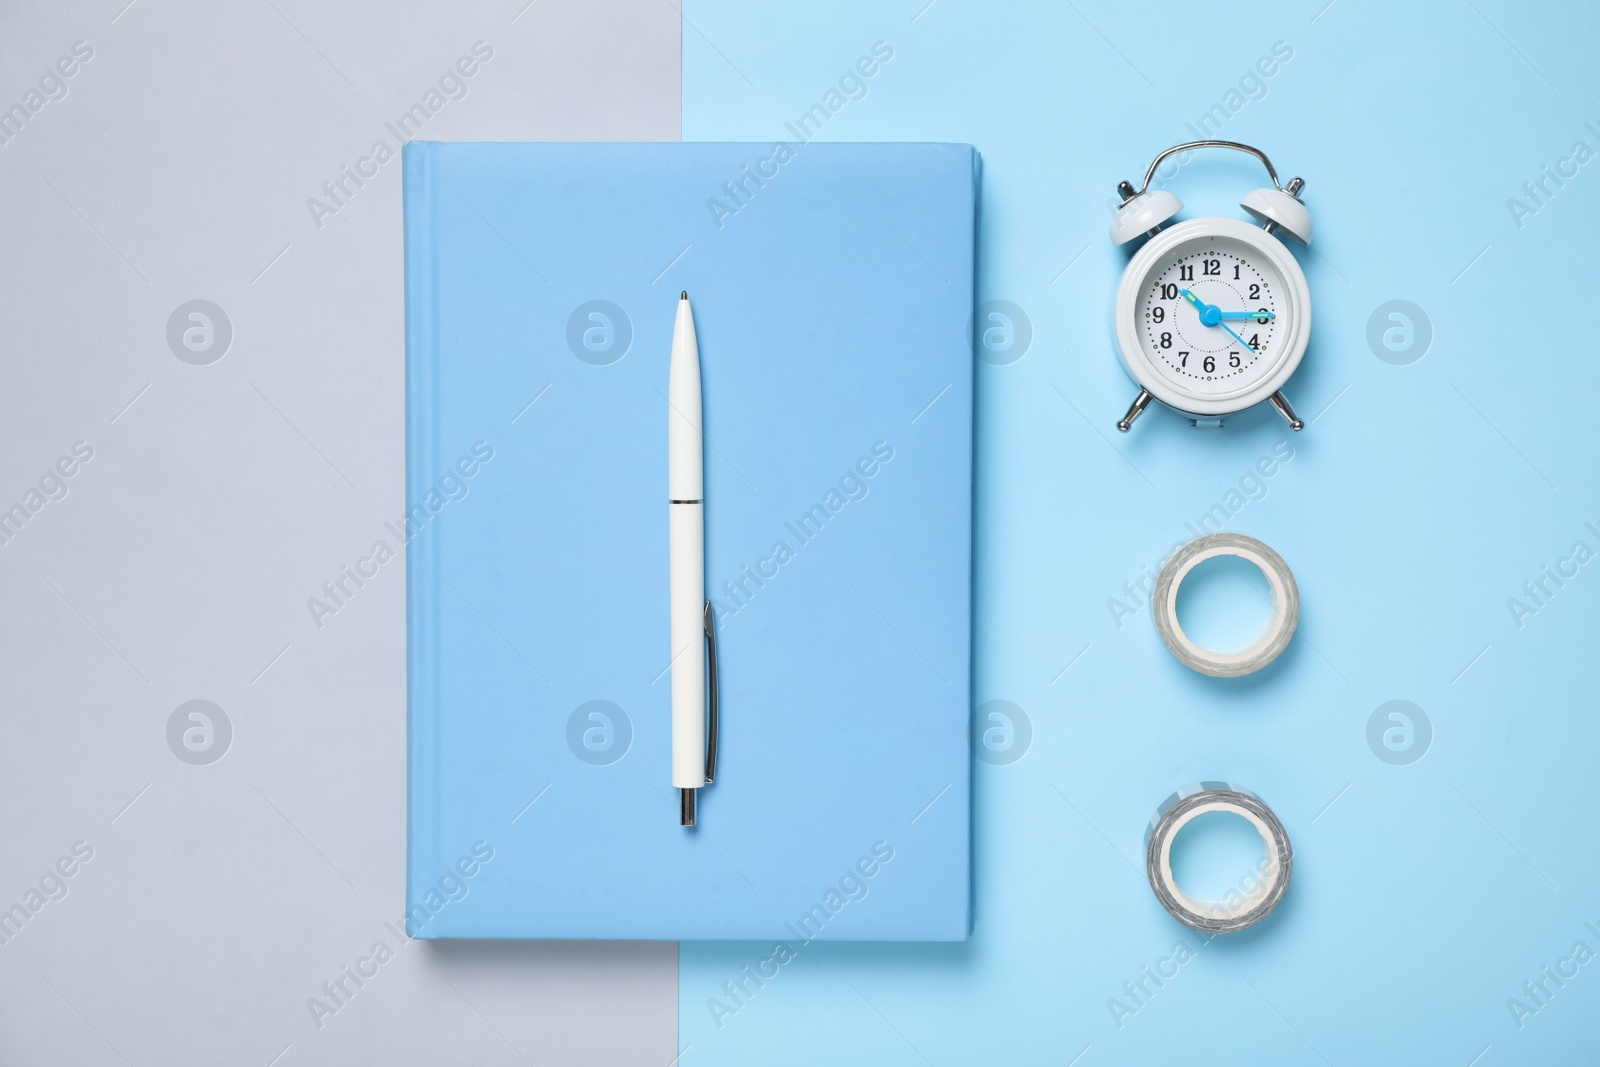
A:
x,y
1247,315
1210,314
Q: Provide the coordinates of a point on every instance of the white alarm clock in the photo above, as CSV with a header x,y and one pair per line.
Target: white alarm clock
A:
x,y
1213,314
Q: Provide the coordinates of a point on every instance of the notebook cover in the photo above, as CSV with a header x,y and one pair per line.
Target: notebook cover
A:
x,y
833,297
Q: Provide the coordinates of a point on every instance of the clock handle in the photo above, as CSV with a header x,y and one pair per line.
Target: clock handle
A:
x,y
1281,402
1140,402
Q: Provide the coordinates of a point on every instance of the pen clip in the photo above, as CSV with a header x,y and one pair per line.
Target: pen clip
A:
x,y
710,618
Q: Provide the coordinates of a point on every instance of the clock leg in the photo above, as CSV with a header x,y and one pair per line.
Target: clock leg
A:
x,y
1140,402
1282,404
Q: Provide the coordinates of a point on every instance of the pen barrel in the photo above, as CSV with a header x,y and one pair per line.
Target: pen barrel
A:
x,y
685,460
687,596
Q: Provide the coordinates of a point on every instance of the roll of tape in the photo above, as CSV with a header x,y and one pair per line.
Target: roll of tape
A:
x,y
1260,890
1273,640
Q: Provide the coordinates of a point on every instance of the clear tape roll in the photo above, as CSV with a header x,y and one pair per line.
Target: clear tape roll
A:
x,y
1273,640
1260,890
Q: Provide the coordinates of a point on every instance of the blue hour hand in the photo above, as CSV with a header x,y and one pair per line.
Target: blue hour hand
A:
x,y
1211,315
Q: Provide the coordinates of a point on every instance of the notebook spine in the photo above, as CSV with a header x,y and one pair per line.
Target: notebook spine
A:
x,y
422,560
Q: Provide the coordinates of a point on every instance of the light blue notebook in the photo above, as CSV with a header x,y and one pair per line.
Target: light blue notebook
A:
x,y
833,296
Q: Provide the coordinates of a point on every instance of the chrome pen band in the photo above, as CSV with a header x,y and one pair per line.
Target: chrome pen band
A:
x,y
685,501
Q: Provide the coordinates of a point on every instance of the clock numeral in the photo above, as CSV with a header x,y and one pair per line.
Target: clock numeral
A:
x,y
1233,360
1263,320
1213,266
1169,292
1183,359
1236,272
1255,341
1166,340
1255,292
1186,273
1157,314
1209,364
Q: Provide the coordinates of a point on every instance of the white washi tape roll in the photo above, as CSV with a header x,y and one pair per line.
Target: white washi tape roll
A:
x,y
1259,890
1273,640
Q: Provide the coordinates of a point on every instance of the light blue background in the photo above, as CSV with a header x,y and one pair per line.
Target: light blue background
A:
x,y
1417,502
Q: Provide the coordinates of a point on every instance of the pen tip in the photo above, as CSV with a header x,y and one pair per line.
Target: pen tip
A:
x,y
684,295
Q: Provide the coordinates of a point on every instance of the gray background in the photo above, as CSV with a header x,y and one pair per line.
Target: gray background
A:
x,y
219,498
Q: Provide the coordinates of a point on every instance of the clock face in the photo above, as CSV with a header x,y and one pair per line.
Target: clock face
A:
x,y
1213,316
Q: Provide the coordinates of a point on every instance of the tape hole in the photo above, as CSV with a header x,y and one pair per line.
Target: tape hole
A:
x,y
1218,856
1224,604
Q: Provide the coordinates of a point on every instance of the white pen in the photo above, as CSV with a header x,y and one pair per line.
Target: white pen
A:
x,y
693,760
